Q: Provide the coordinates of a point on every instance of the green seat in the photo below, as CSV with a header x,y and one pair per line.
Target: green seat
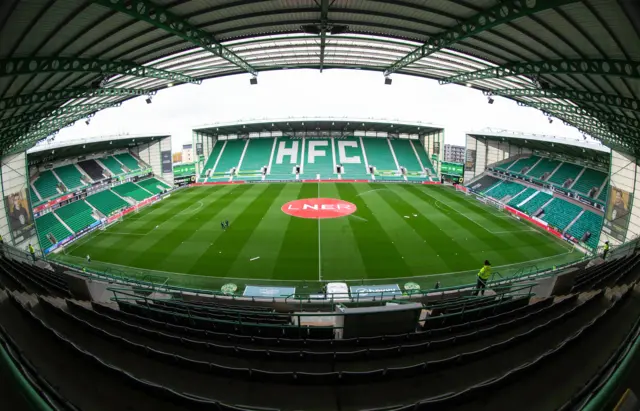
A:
x,y
211,161
48,223
283,170
128,160
154,185
566,171
603,194
112,164
230,156
46,184
379,154
355,171
560,213
423,156
132,190
503,189
519,166
76,215
406,156
256,156
588,221
535,203
70,176
505,166
106,202
33,195
589,179
546,165
521,197
322,164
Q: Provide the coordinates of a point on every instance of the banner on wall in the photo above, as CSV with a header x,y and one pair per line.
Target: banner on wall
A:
x,y
19,216
470,160
167,164
199,150
616,219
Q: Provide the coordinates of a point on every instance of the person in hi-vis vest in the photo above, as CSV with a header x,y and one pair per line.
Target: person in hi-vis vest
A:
x,y
483,277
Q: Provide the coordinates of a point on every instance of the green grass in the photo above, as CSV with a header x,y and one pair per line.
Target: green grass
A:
x,y
451,235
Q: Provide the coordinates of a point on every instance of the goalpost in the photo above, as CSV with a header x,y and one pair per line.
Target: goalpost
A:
x,y
487,200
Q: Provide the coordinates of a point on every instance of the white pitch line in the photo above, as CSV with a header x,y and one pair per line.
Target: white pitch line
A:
x,y
370,191
319,248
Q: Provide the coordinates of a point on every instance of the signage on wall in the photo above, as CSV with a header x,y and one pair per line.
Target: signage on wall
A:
x,y
167,164
199,150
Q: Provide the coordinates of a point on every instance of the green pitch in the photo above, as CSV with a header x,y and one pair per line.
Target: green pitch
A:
x,y
430,233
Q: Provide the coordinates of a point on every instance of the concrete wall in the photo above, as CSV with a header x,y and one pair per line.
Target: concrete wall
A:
x,y
14,179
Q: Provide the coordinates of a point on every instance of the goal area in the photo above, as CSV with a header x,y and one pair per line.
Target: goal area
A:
x,y
481,197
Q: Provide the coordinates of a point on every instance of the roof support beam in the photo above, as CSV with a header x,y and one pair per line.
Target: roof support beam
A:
x,y
324,18
620,68
591,122
52,125
35,116
574,95
503,12
34,65
602,116
67,94
19,140
161,18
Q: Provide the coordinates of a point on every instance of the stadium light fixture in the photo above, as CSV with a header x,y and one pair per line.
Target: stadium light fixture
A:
x,y
169,85
87,121
550,120
253,80
490,101
148,100
387,81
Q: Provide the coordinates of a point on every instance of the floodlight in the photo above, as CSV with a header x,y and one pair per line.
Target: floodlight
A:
x,y
148,100
338,29
253,81
387,81
490,101
311,29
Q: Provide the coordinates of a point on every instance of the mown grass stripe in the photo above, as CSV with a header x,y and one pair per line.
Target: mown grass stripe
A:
x,y
220,256
155,248
381,258
298,256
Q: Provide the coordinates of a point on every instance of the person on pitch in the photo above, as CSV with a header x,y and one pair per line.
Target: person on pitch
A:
x,y
222,225
226,223
483,277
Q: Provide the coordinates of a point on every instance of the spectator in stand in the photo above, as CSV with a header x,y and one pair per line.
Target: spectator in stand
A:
x,y
605,250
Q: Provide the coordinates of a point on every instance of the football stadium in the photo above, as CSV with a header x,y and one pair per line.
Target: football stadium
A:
x,y
320,263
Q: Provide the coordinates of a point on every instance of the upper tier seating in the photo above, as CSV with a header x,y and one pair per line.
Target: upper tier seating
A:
x,y
506,188
405,155
70,176
112,164
153,185
46,185
559,213
603,194
589,179
33,196
128,160
379,154
132,190
546,165
588,221
257,156
230,155
48,223
213,158
93,169
76,215
322,165
506,164
521,197
106,202
566,171
523,164
535,203
25,277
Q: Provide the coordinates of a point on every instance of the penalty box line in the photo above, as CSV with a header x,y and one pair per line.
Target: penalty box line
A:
x,y
480,225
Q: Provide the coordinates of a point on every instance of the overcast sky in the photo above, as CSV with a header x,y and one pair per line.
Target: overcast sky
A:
x,y
309,93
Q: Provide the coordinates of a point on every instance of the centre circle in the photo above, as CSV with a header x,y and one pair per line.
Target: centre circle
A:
x,y
319,208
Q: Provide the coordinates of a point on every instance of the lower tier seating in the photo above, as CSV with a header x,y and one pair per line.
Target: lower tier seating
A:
x,y
106,202
153,185
132,190
560,213
49,224
588,221
76,215
521,197
535,203
505,188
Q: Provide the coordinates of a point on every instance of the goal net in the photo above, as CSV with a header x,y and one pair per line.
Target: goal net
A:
x,y
462,189
489,201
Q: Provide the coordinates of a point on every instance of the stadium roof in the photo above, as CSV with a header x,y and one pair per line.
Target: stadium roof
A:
x,y
80,147
551,144
62,60
306,126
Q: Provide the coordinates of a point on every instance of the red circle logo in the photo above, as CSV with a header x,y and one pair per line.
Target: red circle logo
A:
x,y
319,208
